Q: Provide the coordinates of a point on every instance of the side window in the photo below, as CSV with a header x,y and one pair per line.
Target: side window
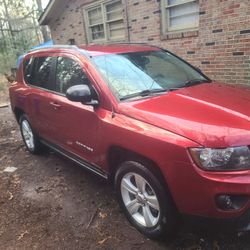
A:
x,y
43,67
27,70
69,73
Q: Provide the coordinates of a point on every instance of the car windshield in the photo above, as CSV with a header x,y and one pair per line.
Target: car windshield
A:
x,y
130,74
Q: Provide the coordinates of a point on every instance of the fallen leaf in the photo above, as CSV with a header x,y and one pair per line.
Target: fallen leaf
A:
x,y
104,240
10,196
102,215
22,235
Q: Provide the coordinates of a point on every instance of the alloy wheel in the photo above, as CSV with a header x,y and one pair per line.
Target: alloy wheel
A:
x,y
140,200
28,135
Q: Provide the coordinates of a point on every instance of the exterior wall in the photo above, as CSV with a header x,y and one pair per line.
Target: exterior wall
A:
x,y
220,46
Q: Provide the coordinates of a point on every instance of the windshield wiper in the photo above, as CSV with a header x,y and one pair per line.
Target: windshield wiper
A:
x,y
143,93
195,82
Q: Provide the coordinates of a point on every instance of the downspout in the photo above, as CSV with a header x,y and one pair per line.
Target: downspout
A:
x,y
127,18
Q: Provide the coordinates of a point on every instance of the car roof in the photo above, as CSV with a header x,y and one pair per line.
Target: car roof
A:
x,y
97,50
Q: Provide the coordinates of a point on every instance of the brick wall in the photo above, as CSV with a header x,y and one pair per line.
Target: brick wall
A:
x,y
220,47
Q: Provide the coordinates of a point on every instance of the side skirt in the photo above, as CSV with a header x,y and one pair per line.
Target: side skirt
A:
x,y
75,158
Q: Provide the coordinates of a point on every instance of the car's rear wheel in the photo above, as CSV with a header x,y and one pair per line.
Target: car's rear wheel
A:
x,y
30,138
144,200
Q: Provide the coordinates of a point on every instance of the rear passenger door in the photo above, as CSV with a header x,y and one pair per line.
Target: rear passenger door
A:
x,y
40,77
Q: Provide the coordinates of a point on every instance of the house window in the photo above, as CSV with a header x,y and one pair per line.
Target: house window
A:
x,y
179,15
104,22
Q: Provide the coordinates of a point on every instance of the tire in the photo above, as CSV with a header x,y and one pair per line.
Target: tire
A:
x,y
29,136
151,211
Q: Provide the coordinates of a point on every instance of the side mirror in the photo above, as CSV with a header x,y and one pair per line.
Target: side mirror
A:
x,y
81,93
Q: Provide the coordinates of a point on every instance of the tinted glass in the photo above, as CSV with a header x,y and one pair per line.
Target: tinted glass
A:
x,y
43,67
69,73
27,70
134,72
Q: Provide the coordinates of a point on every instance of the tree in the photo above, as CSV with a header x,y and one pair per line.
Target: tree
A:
x,y
44,29
19,29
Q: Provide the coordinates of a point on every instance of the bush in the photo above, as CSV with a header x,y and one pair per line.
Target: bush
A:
x,y
7,61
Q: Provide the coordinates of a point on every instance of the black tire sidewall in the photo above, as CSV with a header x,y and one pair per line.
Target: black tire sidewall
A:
x,y
166,224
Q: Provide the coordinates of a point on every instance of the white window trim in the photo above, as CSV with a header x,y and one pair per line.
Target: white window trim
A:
x,y
166,18
105,22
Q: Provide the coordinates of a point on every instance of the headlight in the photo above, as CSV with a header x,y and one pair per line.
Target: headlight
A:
x,y
234,158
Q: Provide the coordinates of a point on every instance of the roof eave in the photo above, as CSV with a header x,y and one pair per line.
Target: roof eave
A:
x,y
44,18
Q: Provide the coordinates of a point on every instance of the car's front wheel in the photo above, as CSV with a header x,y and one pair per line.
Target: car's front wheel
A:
x,y
144,200
30,138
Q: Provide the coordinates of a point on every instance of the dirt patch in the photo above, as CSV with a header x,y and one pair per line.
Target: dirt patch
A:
x,y
50,203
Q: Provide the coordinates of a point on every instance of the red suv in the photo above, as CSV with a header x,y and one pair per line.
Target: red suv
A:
x,y
174,142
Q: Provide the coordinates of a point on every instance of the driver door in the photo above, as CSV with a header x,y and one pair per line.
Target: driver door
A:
x,y
76,125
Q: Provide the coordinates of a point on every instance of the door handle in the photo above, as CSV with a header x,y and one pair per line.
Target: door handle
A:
x,y
55,105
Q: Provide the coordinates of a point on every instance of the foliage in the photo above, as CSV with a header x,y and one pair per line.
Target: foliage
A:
x,y
7,61
19,30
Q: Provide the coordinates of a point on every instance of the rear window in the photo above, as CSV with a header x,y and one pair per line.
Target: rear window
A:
x,y
42,72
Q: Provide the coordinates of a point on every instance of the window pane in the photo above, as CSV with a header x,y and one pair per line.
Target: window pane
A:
x,y
114,15
184,9
116,29
69,73
114,11
95,16
97,32
114,6
43,69
184,22
171,2
185,15
27,70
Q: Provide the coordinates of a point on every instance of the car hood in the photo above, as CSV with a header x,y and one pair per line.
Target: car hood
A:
x,y
211,114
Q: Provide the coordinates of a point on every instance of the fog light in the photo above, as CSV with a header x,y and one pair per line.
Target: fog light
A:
x,y
230,202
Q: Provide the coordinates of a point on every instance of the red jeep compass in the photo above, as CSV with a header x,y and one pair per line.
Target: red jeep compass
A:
x,y
174,142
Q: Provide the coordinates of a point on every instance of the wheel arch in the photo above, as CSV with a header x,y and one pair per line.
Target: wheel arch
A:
x,y
118,154
18,113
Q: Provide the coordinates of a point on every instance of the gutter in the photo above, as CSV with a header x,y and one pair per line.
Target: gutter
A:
x,y
42,19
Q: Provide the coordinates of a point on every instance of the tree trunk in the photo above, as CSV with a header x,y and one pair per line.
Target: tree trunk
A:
x,y
44,30
12,35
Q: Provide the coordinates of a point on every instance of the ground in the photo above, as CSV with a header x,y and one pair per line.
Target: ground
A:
x,y
50,203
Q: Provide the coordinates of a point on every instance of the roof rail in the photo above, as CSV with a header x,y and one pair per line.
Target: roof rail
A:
x,y
55,46
73,47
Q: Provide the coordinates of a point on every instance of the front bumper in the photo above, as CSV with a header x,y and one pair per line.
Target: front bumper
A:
x,y
194,191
